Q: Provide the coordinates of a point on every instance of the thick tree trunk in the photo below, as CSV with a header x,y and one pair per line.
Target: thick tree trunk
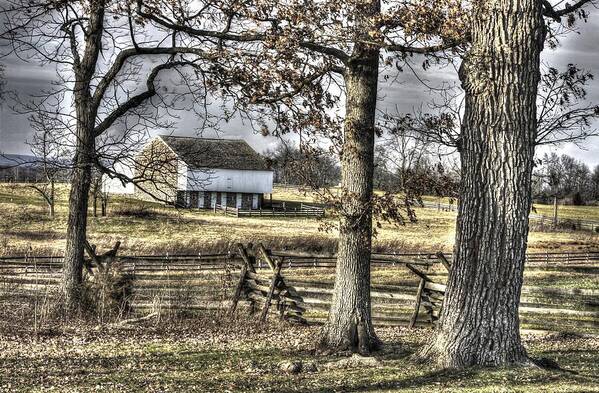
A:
x,y
349,325
479,320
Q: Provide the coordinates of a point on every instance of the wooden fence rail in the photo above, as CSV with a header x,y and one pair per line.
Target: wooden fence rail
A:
x,y
303,211
573,223
209,281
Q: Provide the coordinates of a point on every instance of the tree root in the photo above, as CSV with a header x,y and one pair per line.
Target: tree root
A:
x,y
359,338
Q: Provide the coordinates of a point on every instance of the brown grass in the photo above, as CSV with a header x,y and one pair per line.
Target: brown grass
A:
x,y
147,228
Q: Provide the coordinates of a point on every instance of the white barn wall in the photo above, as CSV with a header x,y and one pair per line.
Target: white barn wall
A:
x,y
230,180
115,186
182,175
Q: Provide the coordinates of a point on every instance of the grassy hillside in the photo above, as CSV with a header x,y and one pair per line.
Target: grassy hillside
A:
x,y
151,228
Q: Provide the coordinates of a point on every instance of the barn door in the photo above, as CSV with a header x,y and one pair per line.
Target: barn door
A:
x,y
193,201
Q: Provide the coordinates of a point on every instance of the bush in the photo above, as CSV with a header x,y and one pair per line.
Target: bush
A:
x,y
107,293
138,211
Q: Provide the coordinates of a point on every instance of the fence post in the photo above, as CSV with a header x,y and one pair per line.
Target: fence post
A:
x,y
275,266
417,304
444,261
243,273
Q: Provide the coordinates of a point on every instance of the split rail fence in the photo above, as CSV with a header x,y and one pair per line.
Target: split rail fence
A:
x,y
575,224
298,286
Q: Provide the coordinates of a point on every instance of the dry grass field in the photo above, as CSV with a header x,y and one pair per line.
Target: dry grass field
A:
x,y
146,228
212,352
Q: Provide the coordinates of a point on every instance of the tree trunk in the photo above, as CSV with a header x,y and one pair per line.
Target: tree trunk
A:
x,y
95,200
72,274
349,325
86,111
554,211
479,321
52,198
104,204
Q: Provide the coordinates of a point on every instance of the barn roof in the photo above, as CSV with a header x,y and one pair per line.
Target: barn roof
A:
x,y
215,153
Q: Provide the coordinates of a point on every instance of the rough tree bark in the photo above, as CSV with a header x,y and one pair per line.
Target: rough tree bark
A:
x,y
479,320
349,324
84,67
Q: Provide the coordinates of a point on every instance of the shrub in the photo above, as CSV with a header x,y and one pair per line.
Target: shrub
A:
x,y
107,293
138,211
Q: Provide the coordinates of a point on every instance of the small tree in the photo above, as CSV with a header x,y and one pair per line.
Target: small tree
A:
x,y
106,96
50,153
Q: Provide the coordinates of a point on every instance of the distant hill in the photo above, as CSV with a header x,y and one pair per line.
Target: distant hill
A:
x,y
21,160
28,161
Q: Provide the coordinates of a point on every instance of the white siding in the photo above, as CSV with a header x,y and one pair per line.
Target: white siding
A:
x,y
252,182
182,175
115,186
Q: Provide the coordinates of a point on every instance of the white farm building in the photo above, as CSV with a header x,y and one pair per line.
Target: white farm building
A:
x,y
201,173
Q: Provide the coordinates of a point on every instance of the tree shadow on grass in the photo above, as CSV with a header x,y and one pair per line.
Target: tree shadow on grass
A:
x,y
467,379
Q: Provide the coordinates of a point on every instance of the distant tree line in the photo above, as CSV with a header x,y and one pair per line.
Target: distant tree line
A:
x,y
293,166
408,160
565,179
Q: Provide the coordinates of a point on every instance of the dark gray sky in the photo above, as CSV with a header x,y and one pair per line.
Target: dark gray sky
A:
x,y
408,95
